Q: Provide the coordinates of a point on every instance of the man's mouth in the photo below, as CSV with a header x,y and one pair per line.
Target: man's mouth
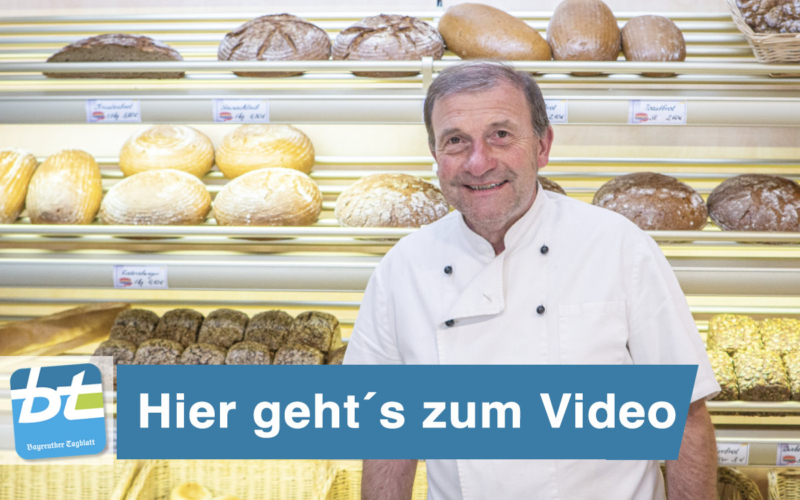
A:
x,y
485,187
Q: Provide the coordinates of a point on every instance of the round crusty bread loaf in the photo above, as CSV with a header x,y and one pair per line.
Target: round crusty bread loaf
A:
x,y
190,491
549,185
269,197
771,16
280,37
756,202
157,198
583,30
654,202
388,37
476,31
653,38
167,146
16,170
65,189
390,200
253,147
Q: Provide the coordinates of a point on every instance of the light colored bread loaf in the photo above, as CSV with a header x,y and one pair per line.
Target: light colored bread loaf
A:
x,y
190,491
269,197
477,31
16,169
583,30
167,146
253,147
156,198
653,38
65,189
390,200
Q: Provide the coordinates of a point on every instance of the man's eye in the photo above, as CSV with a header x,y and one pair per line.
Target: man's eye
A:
x,y
454,140
502,134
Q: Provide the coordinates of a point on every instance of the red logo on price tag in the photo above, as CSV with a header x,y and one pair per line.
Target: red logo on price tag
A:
x,y
641,117
225,115
98,115
125,281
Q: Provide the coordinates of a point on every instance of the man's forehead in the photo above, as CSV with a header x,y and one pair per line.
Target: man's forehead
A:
x,y
502,105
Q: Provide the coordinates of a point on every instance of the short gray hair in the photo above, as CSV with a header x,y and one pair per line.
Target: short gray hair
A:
x,y
484,75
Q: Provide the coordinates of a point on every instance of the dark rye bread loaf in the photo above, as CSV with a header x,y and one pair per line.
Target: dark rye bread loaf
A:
x,y
116,47
654,202
388,37
756,202
279,37
771,16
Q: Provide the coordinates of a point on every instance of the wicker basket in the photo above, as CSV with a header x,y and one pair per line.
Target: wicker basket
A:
x,y
65,482
347,484
247,479
735,485
784,484
768,47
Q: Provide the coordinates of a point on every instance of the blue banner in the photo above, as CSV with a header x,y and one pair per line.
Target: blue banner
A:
x,y
423,412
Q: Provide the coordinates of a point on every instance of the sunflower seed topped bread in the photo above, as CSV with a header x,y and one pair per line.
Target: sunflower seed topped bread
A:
x,y
223,327
722,364
388,37
761,376
180,325
134,325
336,357
177,147
756,202
781,335
65,189
270,328
298,354
478,31
583,30
256,146
203,354
552,186
279,37
157,197
116,47
653,38
771,16
792,362
158,352
16,170
248,353
390,200
733,333
654,202
316,329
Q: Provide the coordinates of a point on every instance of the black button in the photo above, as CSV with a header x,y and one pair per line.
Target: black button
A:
x,y
448,270
540,309
544,249
451,322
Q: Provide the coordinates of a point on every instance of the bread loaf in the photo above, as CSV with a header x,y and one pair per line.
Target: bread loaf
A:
x,y
298,354
733,333
549,185
653,38
248,353
771,16
122,352
269,197
180,325
203,354
781,335
316,329
190,491
16,170
792,362
761,376
116,47
270,328
253,147
280,37
134,325
390,200
158,352
654,202
223,328
756,202
478,31
583,30
176,147
388,37
722,364
336,357
65,189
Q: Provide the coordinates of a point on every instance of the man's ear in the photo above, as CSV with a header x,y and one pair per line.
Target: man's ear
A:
x,y
545,144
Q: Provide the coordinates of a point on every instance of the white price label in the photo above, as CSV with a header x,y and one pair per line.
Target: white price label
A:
x,y
556,110
113,111
657,112
143,277
733,454
788,454
241,111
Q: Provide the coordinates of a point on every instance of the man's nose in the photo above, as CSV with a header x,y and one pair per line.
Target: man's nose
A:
x,y
481,159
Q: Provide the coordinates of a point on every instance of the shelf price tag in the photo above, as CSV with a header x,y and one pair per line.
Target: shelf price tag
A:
x,y
140,277
788,454
241,111
113,111
657,112
733,454
556,110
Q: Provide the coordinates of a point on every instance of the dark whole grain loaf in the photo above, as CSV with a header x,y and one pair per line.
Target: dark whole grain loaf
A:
x,y
123,352
298,354
158,352
316,329
248,353
336,357
279,37
551,186
223,327
771,16
134,325
270,328
756,202
180,325
654,202
203,354
116,47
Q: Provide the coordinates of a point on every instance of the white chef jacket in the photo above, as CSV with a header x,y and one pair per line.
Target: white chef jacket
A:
x,y
609,297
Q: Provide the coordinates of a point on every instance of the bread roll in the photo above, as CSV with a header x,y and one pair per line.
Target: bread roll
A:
x,y
756,202
390,200
253,147
653,38
583,30
388,37
654,202
167,146
190,491
65,189
478,31
16,170
280,37
549,185
157,198
116,47
269,197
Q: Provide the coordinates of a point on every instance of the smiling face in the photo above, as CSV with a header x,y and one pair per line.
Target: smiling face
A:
x,y
488,156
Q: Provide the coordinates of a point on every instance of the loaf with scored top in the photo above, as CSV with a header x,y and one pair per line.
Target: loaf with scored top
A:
x,y
16,170
66,189
176,147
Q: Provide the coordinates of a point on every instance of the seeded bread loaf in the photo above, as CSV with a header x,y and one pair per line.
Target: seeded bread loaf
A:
x,y
792,362
134,325
756,202
177,147
781,335
66,189
733,333
722,364
336,357
158,352
203,354
16,170
223,327
248,353
270,328
122,352
316,329
761,376
653,38
298,354
583,30
256,146
180,325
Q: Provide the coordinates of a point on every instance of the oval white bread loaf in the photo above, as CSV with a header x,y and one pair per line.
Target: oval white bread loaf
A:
x,y
253,147
269,197
156,197
653,38
390,200
167,146
190,491
16,169
583,30
65,189
477,31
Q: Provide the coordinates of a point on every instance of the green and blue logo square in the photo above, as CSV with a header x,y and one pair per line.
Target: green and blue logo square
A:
x,y
58,411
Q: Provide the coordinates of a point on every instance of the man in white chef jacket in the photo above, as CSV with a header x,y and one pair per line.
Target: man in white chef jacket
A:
x,y
519,275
